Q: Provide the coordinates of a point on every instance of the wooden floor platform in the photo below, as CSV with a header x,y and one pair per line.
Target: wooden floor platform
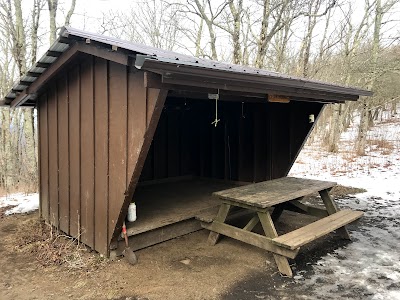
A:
x,y
172,208
162,204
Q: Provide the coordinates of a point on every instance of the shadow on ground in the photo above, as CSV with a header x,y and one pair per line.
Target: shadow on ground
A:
x,y
264,285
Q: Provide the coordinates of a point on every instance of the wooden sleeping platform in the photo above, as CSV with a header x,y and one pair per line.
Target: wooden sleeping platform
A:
x,y
280,194
170,208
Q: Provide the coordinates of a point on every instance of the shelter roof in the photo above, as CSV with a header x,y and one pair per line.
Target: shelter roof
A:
x,y
175,69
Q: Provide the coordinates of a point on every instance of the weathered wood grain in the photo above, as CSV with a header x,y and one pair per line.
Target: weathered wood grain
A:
x,y
297,206
270,231
331,208
317,229
269,193
249,238
221,217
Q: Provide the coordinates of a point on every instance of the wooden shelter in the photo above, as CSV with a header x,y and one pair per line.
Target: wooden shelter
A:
x,y
121,122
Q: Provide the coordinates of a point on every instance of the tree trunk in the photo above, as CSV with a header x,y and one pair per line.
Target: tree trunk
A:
x,y
365,120
70,13
19,42
237,16
198,38
52,5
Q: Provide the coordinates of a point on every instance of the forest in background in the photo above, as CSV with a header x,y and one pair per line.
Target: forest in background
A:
x,y
354,43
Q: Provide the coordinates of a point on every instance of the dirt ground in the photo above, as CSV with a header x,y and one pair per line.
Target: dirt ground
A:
x,y
182,268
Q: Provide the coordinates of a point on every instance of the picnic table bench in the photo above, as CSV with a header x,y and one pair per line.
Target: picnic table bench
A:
x,y
280,194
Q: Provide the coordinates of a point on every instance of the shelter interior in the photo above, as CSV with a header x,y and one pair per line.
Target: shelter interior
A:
x,y
190,158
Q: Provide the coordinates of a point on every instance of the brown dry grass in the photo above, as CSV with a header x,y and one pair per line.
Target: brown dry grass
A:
x,y
22,188
50,247
340,191
4,209
382,144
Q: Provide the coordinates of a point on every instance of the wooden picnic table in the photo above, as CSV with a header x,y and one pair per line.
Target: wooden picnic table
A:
x,y
280,194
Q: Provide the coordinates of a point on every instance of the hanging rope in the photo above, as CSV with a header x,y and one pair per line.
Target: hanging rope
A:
x,y
215,122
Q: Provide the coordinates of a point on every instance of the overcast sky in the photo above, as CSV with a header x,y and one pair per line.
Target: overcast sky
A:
x,y
89,15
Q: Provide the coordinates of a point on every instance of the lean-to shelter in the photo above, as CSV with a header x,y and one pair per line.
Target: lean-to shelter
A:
x,y
121,122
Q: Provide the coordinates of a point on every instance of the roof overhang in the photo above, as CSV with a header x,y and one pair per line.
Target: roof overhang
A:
x,y
175,72
184,74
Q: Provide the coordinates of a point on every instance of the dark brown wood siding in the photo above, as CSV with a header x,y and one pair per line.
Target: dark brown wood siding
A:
x,y
63,155
93,121
74,139
53,154
87,152
44,157
101,155
98,136
253,141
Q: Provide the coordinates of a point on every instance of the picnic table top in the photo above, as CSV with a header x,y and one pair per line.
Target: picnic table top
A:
x,y
269,193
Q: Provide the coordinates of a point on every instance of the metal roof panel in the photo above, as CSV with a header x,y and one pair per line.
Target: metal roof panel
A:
x,y
170,60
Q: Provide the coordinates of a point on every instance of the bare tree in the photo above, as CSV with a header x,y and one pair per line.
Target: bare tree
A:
x,y
271,23
365,115
53,6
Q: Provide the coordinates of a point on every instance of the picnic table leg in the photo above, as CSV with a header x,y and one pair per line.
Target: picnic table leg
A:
x,y
277,212
221,217
332,208
270,231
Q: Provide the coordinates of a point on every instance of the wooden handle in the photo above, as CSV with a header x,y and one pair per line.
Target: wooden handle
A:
x,y
125,235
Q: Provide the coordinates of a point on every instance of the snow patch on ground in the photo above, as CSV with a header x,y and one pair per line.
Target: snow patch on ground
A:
x,y
369,266
21,202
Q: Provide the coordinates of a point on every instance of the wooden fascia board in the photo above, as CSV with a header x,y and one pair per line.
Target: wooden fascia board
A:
x,y
189,71
178,82
20,99
66,57
195,88
256,88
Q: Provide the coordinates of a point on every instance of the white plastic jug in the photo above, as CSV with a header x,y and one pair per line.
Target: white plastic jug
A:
x,y
132,212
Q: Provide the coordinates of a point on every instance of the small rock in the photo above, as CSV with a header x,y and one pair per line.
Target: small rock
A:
x,y
185,261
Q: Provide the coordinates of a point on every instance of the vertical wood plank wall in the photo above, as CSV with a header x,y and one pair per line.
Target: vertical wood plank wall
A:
x,y
101,155
63,155
93,119
87,152
252,142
